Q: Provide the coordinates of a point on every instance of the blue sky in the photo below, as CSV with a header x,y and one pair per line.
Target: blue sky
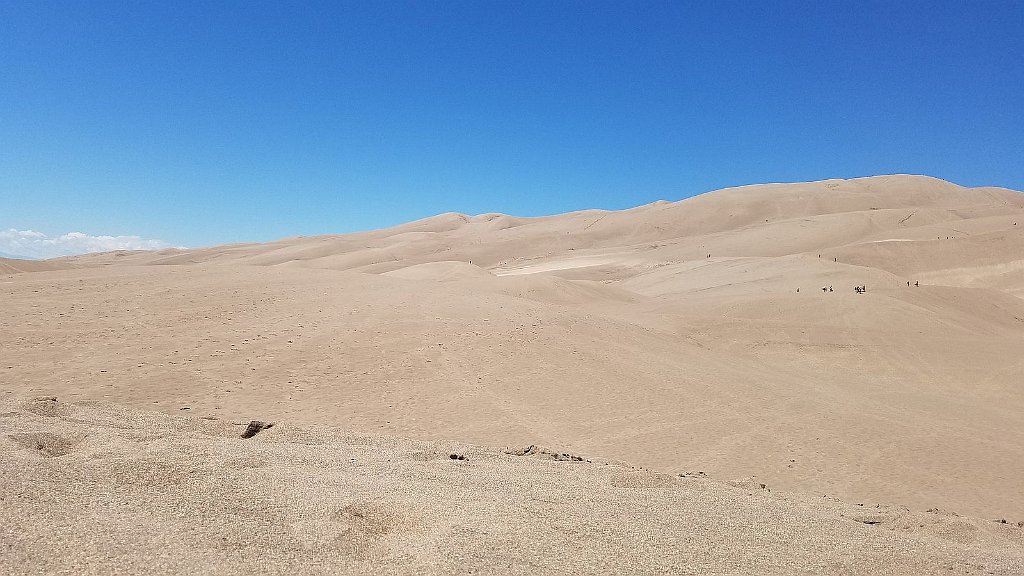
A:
x,y
211,122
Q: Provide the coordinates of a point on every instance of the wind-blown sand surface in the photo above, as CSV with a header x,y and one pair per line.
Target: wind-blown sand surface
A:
x,y
97,489
681,336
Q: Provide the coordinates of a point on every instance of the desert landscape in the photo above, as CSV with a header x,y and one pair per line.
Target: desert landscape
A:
x,y
820,377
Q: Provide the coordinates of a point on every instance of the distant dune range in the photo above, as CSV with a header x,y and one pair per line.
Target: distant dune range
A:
x,y
676,336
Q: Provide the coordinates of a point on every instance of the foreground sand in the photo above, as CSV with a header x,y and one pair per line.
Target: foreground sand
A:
x,y
95,488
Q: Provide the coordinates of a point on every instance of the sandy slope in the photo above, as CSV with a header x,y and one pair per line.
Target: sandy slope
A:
x,y
675,336
17,265
97,489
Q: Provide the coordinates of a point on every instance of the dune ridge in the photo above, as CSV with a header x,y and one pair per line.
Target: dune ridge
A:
x,y
719,333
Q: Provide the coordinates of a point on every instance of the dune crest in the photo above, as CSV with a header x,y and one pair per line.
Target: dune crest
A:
x,y
857,338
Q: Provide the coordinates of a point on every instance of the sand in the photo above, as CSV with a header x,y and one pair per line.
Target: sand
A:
x,y
676,336
93,488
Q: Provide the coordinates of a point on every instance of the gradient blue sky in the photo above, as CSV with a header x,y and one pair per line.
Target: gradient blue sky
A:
x,y
211,122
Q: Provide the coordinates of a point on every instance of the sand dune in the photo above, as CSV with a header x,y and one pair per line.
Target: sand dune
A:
x,y
440,272
691,335
17,265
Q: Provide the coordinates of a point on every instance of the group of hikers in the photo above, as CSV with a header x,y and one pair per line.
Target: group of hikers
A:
x,y
860,289
857,289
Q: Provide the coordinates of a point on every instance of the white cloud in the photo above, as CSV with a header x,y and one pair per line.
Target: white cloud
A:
x,y
32,244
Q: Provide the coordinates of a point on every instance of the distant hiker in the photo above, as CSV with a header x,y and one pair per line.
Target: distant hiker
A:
x,y
829,288
824,288
835,259
797,290
908,282
917,283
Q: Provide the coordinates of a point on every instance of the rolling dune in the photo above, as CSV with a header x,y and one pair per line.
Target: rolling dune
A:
x,y
720,333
